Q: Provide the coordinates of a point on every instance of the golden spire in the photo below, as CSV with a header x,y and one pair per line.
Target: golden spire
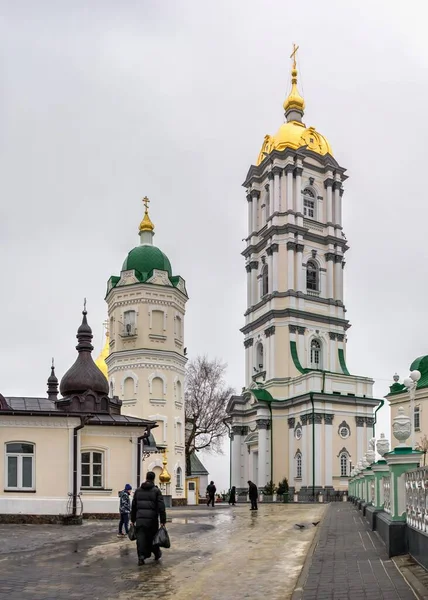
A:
x,y
164,477
146,224
294,100
101,360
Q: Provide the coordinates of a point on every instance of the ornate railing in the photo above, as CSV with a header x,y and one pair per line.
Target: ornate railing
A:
x,y
386,482
417,499
372,490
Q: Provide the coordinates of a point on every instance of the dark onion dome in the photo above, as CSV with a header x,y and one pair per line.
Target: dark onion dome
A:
x,y
84,374
146,258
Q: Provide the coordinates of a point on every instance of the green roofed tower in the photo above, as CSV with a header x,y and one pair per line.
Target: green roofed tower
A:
x,y
146,360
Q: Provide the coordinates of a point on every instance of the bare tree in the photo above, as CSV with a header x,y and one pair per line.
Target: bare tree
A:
x,y
422,446
206,397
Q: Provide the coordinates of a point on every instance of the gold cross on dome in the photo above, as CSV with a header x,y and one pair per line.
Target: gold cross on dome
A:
x,y
293,55
146,202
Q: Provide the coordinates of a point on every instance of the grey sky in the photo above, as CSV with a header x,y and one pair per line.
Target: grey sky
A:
x,y
104,102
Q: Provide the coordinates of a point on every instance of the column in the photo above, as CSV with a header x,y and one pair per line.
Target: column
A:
x,y
291,461
360,421
329,257
250,214
255,196
270,268
277,174
338,287
267,202
328,449
272,200
282,192
332,366
275,249
299,268
288,171
254,283
380,470
262,425
298,202
328,184
236,455
291,246
249,299
272,351
318,449
337,215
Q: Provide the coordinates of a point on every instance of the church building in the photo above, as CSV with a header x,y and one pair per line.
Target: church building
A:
x,y
302,414
145,359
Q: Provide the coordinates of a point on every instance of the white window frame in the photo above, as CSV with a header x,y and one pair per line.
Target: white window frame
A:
x,y
179,478
311,263
313,363
298,465
344,464
91,451
129,318
20,456
417,418
309,204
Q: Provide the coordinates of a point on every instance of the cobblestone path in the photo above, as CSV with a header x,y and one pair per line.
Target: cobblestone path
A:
x,y
216,554
350,562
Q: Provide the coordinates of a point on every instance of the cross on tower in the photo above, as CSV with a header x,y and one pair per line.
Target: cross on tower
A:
x,y
293,55
146,202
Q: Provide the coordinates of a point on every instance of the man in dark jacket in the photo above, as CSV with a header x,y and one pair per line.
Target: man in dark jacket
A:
x,y
124,509
253,494
211,490
148,507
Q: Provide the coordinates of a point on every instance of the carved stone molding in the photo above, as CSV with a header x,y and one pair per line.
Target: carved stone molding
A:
x,y
301,330
270,175
267,187
298,171
318,418
292,328
341,192
328,419
360,421
337,185
275,247
269,251
254,264
249,198
255,194
329,256
328,182
340,337
270,331
291,245
304,419
338,258
332,335
277,171
300,247
369,421
288,168
262,424
248,268
291,422
248,342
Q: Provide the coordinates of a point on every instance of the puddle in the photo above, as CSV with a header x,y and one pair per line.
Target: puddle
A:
x,y
182,521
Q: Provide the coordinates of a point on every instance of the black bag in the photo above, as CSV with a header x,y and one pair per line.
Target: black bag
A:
x,y
131,533
162,538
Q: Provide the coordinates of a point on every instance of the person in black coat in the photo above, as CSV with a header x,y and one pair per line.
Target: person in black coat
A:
x,y
211,490
148,508
253,493
232,496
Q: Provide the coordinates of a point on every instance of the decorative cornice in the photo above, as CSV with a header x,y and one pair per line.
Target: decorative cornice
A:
x,y
328,418
329,256
248,268
338,258
277,171
292,294
270,331
288,168
291,245
301,330
275,247
270,175
255,194
254,264
360,421
292,328
248,342
262,424
291,422
300,247
332,335
298,171
328,182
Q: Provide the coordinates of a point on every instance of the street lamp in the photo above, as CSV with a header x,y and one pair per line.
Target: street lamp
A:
x,y
411,383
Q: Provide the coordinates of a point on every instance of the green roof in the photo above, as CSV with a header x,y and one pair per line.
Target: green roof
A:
x,y
262,394
146,258
196,467
419,364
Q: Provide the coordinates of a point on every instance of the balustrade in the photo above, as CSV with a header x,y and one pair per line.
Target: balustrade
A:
x,y
372,490
386,482
417,499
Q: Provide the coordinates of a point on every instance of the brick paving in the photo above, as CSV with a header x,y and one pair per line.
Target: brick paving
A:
x,y
349,562
216,554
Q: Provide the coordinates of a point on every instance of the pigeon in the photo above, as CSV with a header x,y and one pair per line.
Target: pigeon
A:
x,y
299,526
316,523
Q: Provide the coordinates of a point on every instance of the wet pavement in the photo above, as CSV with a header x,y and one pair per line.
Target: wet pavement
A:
x,y
215,554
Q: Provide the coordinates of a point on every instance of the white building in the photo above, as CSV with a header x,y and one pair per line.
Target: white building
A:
x,y
304,416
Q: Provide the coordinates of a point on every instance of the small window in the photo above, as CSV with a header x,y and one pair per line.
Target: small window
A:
x,y
129,322
312,276
178,392
259,357
309,203
179,478
316,354
299,465
179,434
417,418
19,466
265,280
191,486
157,388
128,389
343,465
92,464
158,322
178,328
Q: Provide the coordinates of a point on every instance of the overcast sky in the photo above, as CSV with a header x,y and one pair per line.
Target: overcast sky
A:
x,y
104,102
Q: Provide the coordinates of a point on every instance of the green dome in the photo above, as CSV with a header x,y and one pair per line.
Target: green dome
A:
x,y
145,258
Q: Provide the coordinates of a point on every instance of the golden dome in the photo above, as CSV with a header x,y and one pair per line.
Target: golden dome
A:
x,y
146,224
101,360
294,100
164,477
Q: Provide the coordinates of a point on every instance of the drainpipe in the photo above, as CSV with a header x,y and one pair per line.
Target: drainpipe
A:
x,y
230,452
382,402
83,422
323,382
311,397
271,441
139,441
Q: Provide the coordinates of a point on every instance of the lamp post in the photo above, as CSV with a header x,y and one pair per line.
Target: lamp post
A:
x,y
411,383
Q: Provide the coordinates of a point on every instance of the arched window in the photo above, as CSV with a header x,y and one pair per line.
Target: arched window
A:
x,y
179,433
179,478
128,389
343,464
157,388
309,203
312,276
316,354
298,465
178,392
265,280
259,357
20,465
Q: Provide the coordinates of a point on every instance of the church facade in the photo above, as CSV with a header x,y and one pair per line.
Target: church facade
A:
x,y
302,414
145,360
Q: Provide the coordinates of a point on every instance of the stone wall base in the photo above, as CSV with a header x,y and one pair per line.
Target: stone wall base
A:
x,y
392,533
179,502
417,543
371,516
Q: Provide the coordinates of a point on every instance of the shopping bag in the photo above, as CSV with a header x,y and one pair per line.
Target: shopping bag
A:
x,y
131,533
162,538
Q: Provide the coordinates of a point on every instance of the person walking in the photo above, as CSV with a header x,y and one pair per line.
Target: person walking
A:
x,y
253,494
148,508
232,496
211,490
124,509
